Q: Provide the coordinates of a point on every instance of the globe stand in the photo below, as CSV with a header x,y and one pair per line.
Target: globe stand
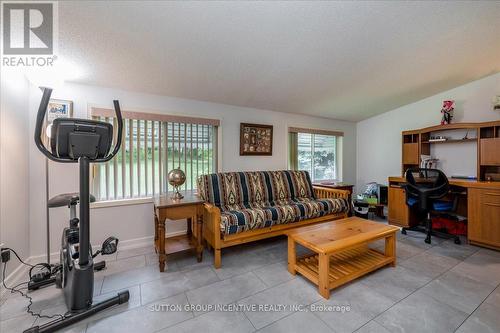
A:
x,y
177,195
176,178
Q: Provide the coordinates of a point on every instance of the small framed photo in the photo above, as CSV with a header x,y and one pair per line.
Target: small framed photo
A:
x,y
59,108
496,103
256,139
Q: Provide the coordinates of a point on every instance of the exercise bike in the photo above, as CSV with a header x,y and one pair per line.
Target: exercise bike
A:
x,y
79,141
55,274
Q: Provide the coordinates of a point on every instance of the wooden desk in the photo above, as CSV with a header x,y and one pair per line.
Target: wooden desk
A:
x,y
481,207
467,183
190,208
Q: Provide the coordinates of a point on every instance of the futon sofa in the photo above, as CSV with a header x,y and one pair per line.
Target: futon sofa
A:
x,y
242,207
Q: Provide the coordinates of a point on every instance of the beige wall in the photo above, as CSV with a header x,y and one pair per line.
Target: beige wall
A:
x,y
379,138
134,223
374,143
14,160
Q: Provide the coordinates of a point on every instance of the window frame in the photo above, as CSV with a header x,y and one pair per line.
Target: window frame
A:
x,y
163,120
293,133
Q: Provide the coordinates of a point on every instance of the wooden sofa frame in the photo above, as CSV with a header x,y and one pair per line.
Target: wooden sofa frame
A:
x,y
214,239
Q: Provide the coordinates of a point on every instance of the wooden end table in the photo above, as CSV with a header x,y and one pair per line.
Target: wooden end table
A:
x,y
189,208
341,251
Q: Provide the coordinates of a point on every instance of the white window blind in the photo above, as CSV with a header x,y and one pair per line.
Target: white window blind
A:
x,y
152,145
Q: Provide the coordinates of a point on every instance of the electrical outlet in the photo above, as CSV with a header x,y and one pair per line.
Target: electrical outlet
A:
x,y
5,255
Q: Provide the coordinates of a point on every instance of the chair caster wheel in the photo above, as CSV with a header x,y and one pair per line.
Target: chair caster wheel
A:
x,y
457,241
403,231
428,240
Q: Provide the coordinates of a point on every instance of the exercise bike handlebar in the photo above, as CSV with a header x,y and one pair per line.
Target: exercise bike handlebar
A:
x,y
118,143
40,116
42,110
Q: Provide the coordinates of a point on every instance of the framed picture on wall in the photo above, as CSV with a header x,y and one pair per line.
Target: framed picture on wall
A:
x,y
256,139
59,108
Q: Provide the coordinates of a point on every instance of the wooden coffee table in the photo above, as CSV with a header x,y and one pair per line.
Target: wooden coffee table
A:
x,y
341,252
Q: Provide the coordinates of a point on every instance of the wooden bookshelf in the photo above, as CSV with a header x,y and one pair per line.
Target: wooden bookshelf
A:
x,y
416,142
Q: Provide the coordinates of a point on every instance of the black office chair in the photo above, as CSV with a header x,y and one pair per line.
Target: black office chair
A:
x,y
424,188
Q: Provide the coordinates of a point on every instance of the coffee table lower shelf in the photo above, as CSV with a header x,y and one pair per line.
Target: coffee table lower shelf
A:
x,y
343,266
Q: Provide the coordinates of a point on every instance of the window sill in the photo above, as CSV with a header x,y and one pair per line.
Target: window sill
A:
x,y
326,182
121,202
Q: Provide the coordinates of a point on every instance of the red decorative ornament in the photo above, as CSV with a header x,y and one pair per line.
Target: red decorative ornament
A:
x,y
447,111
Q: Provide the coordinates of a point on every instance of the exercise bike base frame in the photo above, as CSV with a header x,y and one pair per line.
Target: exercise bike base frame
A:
x,y
71,319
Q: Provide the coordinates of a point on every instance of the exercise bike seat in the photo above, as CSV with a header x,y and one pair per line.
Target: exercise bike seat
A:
x,y
66,200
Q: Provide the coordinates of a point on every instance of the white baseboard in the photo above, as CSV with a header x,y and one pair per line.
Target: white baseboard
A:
x,y
21,272
136,242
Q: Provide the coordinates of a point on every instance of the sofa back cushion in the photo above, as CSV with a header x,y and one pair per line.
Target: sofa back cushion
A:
x,y
299,184
233,190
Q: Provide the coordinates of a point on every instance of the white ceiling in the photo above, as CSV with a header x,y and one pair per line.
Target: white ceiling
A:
x,y
343,60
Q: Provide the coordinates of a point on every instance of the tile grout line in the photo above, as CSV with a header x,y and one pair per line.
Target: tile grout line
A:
x,y
320,319
183,271
432,246
291,313
243,273
286,316
269,287
140,294
245,315
257,292
446,271
102,284
258,277
484,300
183,321
184,292
252,270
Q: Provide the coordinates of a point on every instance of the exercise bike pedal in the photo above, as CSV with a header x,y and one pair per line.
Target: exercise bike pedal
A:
x,y
109,246
99,266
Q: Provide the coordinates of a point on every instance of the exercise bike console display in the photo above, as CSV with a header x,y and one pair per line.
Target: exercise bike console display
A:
x,y
75,138
81,141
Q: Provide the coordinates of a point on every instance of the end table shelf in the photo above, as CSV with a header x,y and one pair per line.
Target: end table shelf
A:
x,y
178,244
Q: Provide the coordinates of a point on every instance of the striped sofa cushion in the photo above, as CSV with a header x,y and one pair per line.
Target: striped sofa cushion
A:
x,y
252,200
254,189
239,220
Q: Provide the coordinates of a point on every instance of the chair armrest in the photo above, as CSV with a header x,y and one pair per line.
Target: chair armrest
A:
x,y
327,193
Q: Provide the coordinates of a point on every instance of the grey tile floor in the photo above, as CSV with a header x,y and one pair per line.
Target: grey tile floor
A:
x,y
439,288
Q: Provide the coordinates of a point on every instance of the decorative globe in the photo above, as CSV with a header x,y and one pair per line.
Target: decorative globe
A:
x,y
176,178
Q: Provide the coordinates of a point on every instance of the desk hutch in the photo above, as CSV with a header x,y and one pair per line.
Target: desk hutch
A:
x,y
480,201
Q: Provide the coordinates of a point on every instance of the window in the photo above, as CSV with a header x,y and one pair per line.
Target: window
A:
x,y
316,152
152,145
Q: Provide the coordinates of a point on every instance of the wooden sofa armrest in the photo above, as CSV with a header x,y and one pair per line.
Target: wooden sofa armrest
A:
x,y
211,214
327,193
211,230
